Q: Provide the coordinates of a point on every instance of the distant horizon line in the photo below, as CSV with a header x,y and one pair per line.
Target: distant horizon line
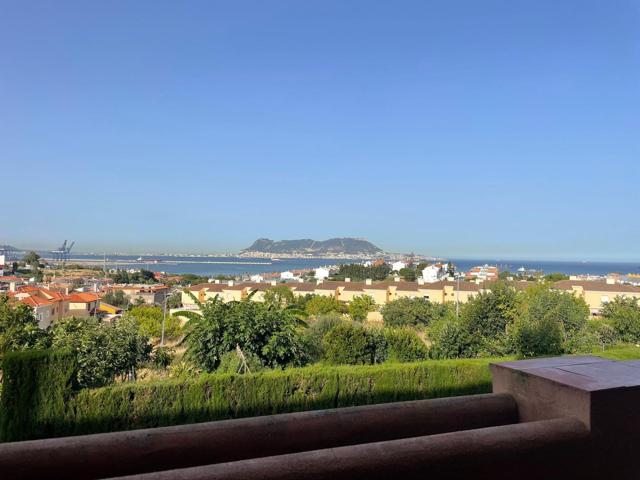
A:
x,y
435,257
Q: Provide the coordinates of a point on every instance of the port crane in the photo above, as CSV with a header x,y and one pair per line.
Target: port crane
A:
x,y
63,252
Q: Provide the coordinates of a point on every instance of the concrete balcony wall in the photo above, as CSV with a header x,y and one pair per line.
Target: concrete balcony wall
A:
x,y
564,418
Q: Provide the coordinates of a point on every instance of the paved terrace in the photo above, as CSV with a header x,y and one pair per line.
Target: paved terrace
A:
x,y
567,417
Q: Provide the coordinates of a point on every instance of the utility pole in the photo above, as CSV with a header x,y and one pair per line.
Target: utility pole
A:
x,y
458,296
164,318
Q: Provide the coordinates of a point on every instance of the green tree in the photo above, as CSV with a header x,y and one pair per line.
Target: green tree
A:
x,y
280,296
536,336
162,357
32,259
358,273
313,335
555,277
117,299
149,318
104,350
319,304
571,312
623,314
360,306
450,339
411,312
550,322
350,343
408,274
267,332
174,300
404,345
485,318
451,270
19,328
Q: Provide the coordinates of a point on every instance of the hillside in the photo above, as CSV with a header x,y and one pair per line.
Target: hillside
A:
x,y
333,246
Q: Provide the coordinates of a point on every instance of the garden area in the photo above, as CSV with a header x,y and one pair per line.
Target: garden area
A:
x,y
282,355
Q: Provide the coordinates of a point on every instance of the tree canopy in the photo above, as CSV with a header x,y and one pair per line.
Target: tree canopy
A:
x,y
267,332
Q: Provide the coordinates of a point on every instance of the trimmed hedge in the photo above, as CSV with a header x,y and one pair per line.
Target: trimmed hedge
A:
x,y
36,387
216,397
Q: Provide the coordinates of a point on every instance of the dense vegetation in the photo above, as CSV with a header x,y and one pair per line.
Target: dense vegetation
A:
x,y
359,273
142,276
218,396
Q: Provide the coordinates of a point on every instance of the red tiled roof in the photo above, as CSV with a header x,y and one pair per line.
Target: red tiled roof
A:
x,y
83,297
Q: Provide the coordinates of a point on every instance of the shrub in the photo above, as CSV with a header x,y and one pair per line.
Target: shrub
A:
x,y
149,319
537,336
485,317
411,312
267,332
232,362
450,340
104,351
313,335
162,357
624,316
319,305
603,332
216,397
19,328
36,387
352,344
360,306
404,345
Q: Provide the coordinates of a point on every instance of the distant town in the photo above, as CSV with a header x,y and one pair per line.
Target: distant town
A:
x,y
58,287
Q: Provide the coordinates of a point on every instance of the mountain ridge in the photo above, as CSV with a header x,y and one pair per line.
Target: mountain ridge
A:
x,y
308,246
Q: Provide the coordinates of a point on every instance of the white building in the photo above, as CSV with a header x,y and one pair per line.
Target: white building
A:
x,y
321,273
397,266
287,276
256,278
433,273
1,265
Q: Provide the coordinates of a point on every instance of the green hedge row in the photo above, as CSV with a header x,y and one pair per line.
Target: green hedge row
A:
x,y
36,389
215,397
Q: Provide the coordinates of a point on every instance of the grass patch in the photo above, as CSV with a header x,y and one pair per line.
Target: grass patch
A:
x,y
619,352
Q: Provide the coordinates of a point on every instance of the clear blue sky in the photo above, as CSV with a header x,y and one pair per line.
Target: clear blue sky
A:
x,y
455,128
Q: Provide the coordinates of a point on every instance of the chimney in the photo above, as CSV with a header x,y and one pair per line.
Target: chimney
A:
x,y
66,290
12,286
230,283
611,281
319,281
368,281
347,279
396,278
420,281
216,281
300,280
273,283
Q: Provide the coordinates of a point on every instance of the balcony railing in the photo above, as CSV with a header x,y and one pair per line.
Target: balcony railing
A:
x,y
568,417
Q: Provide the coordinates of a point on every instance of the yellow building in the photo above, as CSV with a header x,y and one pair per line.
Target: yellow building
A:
x,y
597,293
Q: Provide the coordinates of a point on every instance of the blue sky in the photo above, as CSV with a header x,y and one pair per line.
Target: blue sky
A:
x,y
455,128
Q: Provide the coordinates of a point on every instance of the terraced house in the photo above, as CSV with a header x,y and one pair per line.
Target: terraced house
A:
x,y
595,293
598,293
344,291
